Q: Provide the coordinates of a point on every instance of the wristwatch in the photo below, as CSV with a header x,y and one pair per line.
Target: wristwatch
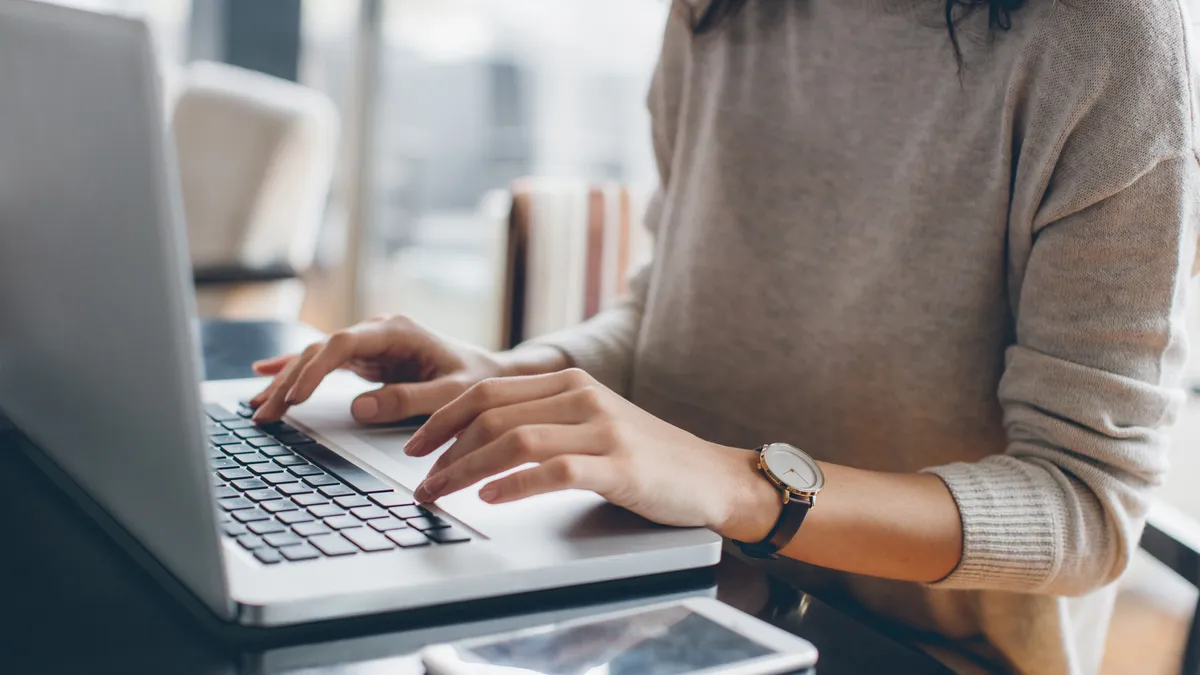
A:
x,y
799,478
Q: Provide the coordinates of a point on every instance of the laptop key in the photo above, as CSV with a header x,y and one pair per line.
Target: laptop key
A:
x,y
448,535
280,478
293,488
335,491
224,517
275,451
249,433
281,539
430,523
251,457
343,522
290,461
294,517
406,512
250,542
234,474
267,556
279,505
321,480
294,438
261,442
238,423
299,552
261,469
369,512
217,481
233,529
407,538
263,495
351,501
237,449
218,412
224,463
249,484
224,439
215,452
387,524
250,515
332,545
304,470
235,503
225,492
390,499
342,468
266,527
310,529
326,511
309,499
369,540
276,428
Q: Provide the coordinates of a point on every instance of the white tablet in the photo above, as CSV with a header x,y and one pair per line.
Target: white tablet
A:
x,y
697,636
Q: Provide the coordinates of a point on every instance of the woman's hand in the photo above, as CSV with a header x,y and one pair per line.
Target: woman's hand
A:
x,y
421,370
582,435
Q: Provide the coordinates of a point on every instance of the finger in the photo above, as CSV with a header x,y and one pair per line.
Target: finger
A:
x,y
569,407
486,395
272,365
339,348
275,404
531,443
395,402
565,472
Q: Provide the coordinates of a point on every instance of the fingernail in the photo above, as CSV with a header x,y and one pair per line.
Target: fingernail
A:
x,y
414,444
428,491
365,408
489,493
291,398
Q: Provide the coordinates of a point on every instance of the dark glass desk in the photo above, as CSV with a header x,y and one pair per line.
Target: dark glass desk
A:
x,y
72,602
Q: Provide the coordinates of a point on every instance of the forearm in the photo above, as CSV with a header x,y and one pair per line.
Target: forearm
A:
x,y
898,526
532,359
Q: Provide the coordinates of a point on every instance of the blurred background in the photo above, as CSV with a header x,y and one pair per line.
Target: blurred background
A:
x,y
439,108
480,165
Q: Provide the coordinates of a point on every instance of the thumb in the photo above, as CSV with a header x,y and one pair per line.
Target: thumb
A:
x,y
395,402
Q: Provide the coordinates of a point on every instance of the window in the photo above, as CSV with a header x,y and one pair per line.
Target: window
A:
x,y
471,95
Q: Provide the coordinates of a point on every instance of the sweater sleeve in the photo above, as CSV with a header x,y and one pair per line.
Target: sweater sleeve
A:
x,y
1088,391
1101,243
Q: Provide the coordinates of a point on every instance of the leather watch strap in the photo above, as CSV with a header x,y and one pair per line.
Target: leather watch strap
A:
x,y
790,519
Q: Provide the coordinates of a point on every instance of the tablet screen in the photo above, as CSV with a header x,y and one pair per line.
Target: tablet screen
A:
x,y
668,641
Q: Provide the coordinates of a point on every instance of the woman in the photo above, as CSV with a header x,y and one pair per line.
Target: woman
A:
x,y
940,245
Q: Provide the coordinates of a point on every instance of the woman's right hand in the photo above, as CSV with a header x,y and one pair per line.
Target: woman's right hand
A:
x,y
420,370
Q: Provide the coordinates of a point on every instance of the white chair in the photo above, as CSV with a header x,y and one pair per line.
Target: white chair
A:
x,y
256,157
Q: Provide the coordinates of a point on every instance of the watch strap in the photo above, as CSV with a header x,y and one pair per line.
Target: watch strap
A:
x,y
785,529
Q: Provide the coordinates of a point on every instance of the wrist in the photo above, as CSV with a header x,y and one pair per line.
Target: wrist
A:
x,y
753,505
531,360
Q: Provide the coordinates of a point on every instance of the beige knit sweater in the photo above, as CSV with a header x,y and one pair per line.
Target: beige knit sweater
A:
x,y
894,267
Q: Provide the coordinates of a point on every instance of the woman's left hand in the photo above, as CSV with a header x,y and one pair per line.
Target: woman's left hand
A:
x,y
582,435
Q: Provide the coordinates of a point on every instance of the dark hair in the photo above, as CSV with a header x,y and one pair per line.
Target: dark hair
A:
x,y
999,16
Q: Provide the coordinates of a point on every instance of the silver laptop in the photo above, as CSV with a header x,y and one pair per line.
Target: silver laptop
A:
x,y
309,520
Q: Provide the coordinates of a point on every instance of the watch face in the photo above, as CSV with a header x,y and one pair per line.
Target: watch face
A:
x,y
794,467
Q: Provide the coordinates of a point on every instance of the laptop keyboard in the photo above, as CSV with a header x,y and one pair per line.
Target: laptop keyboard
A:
x,y
286,498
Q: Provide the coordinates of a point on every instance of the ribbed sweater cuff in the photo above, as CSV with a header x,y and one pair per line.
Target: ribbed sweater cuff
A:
x,y
1012,520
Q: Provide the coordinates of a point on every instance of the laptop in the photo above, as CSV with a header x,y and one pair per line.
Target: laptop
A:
x,y
309,520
